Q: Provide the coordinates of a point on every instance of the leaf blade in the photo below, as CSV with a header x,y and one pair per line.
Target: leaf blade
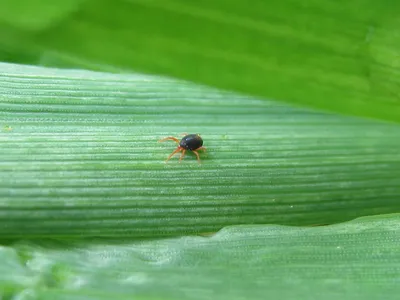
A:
x,y
353,260
81,158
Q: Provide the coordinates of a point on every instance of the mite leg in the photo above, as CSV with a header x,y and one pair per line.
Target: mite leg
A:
x,y
182,155
201,148
169,138
173,153
197,155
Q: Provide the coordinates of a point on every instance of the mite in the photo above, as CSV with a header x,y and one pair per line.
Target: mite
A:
x,y
190,142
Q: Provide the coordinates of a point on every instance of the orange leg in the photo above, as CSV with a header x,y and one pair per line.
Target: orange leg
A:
x,y
169,138
201,148
182,155
197,155
179,149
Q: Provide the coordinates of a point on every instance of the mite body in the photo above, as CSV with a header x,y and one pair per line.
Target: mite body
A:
x,y
190,142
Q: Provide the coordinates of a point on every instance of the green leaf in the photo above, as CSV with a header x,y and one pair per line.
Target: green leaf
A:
x,y
340,56
355,260
36,15
80,158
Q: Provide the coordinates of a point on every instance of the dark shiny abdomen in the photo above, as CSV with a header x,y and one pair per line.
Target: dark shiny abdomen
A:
x,y
191,142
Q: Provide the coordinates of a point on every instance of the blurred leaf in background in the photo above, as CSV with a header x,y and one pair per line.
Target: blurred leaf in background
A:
x,y
341,55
